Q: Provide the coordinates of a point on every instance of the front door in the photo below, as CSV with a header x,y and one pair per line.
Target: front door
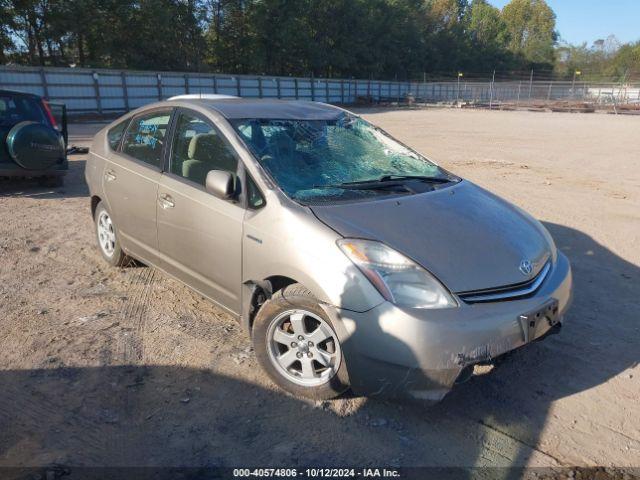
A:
x,y
130,180
199,235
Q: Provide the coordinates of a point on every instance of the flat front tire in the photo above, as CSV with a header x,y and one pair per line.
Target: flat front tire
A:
x,y
296,344
107,236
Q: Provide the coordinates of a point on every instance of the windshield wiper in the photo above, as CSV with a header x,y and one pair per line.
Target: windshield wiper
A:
x,y
368,185
424,178
384,182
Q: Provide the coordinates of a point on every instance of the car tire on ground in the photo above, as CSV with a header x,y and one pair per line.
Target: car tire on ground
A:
x,y
107,236
296,344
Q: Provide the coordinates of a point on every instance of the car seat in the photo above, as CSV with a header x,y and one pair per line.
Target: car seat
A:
x,y
207,152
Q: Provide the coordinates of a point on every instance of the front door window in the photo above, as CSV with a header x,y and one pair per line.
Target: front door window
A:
x,y
198,148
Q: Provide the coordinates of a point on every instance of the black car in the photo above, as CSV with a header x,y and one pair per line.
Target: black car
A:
x,y
33,138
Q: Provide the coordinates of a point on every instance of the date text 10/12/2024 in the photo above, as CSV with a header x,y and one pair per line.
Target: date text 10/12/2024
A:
x,y
316,472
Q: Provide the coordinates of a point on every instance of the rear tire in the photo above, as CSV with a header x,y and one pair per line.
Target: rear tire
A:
x,y
107,236
296,344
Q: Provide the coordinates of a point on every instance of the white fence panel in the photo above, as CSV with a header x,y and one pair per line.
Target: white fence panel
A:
x,y
104,91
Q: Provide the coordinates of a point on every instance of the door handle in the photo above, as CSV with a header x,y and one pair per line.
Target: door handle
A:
x,y
109,176
166,201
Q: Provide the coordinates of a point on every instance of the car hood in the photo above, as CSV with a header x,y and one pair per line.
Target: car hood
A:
x,y
467,237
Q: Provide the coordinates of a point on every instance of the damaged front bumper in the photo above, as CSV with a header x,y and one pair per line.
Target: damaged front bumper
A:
x,y
392,351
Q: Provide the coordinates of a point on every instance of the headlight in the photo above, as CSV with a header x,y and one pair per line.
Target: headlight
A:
x,y
397,278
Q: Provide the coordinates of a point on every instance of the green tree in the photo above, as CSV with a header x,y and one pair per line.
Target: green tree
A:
x,y
531,29
6,27
445,27
626,62
386,39
486,26
281,37
606,59
489,38
230,36
29,26
163,35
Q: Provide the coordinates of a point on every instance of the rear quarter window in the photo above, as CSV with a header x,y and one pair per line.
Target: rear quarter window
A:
x,y
16,108
114,135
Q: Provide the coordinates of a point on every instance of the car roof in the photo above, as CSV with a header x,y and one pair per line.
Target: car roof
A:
x,y
239,108
21,94
207,96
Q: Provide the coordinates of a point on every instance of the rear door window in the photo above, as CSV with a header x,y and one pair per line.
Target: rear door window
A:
x,y
146,136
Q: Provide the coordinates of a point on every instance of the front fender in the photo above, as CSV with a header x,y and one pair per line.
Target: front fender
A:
x,y
346,289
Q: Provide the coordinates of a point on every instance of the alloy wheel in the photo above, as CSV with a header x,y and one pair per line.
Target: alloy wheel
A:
x,y
303,348
106,234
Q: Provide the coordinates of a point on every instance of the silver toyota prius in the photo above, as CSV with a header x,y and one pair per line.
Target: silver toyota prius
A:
x,y
351,260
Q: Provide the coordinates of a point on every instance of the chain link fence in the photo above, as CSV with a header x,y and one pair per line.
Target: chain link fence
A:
x,y
103,92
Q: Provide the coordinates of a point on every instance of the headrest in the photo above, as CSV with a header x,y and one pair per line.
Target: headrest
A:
x,y
204,146
283,144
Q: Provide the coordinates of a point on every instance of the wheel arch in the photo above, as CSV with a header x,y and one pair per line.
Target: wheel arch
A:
x,y
342,290
256,292
95,200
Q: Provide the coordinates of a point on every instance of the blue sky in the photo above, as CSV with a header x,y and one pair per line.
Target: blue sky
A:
x,y
588,20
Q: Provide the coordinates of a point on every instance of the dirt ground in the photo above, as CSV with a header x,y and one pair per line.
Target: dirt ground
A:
x,y
120,367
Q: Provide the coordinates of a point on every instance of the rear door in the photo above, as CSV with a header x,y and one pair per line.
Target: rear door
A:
x,y
130,181
199,235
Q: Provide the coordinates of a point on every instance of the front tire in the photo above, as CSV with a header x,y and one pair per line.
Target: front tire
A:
x,y
107,236
296,344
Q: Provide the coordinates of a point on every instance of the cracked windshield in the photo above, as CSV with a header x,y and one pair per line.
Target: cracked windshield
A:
x,y
325,160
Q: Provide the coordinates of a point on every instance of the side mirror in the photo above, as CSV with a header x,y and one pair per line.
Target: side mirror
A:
x,y
220,183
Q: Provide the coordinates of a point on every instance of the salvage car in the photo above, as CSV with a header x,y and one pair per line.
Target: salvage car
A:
x,y
351,260
32,140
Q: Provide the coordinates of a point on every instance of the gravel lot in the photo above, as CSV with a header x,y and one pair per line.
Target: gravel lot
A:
x,y
115,367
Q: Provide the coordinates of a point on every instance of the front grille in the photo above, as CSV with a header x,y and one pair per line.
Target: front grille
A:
x,y
508,292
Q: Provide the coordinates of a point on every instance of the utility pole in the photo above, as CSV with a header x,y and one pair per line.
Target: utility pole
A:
x,y
573,83
458,95
623,80
530,84
493,79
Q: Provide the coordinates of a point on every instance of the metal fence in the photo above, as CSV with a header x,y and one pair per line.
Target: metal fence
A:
x,y
111,91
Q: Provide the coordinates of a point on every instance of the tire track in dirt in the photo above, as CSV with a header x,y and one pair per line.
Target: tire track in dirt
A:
x,y
131,355
133,317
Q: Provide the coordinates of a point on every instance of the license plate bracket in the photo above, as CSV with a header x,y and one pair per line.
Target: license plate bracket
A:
x,y
538,321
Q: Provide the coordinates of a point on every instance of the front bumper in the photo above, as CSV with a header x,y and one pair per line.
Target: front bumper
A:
x,y
420,353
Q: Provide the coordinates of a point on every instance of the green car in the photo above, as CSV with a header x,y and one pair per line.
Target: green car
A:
x,y
33,138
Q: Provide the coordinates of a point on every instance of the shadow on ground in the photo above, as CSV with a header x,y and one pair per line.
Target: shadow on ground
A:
x,y
600,340
74,185
172,416
499,419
